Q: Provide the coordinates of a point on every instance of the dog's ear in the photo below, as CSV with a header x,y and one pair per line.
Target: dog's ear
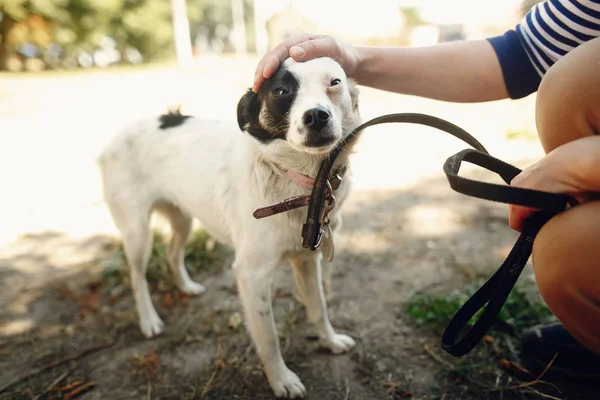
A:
x,y
354,92
247,110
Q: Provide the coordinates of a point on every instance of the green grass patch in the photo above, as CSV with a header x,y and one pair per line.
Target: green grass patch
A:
x,y
202,253
493,370
434,312
521,134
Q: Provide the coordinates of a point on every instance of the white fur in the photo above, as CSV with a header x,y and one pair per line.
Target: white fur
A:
x,y
211,171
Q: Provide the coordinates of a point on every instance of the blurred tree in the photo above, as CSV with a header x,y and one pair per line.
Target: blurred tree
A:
x,y
413,17
148,25
25,21
145,25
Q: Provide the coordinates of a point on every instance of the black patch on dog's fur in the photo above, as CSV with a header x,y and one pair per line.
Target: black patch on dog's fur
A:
x,y
277,107
172,119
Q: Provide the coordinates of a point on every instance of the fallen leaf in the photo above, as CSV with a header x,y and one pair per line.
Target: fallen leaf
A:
x,y
232,361
79,390
488,339
514,367
219,364
88,302
168,300
152,363
66,388
235,320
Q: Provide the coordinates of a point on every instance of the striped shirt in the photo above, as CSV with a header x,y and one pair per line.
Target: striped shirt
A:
x,y
548,31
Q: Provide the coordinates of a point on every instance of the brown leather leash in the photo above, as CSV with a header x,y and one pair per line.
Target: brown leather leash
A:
x,y
493,294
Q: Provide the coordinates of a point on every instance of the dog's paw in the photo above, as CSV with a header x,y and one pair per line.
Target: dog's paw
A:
x,y
192,288
287,385
151,326
338,343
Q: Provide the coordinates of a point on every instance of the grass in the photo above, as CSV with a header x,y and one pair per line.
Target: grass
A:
x,y
202,253
434,312
493,369
517,134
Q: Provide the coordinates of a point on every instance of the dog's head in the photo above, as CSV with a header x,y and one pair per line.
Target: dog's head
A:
x,y
306,106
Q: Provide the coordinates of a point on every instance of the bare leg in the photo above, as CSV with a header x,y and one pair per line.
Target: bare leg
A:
x,y
566,253
565,259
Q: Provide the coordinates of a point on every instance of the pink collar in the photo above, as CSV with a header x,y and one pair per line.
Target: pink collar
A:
x,y
306,181
335,179
299,178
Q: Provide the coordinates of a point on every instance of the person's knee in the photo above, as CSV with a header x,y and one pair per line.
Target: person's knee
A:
x,y
568,97
567,273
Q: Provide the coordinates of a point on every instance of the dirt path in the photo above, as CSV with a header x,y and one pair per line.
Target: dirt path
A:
x,y
395,243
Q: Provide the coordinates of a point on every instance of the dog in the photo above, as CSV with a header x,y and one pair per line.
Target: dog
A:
x,y
185,167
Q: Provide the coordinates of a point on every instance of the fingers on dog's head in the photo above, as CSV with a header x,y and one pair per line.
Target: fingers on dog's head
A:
x,y
271,61
315,48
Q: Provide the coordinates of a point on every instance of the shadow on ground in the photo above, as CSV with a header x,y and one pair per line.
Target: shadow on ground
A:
x,y
61,297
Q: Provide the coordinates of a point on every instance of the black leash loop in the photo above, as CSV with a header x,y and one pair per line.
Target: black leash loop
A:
x,y
493,294
312,228
504,194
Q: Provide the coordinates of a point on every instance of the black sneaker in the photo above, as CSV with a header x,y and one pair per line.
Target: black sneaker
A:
x,y
574,361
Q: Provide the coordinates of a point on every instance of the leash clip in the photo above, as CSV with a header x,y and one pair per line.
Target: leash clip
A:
x,y
319,238
330,198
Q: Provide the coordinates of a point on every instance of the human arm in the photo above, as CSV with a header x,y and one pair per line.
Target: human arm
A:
x,y
460,72
466,71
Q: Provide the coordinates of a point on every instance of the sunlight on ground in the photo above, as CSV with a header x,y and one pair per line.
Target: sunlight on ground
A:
x,y
16,327
53,127
432,220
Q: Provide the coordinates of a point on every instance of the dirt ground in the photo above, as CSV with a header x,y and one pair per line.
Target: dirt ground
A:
x,y
61,291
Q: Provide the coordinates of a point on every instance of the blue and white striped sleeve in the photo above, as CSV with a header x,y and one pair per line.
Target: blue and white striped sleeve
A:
x,y
548,31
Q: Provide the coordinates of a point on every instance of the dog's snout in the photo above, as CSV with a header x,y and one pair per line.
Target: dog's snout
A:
x,y
316,118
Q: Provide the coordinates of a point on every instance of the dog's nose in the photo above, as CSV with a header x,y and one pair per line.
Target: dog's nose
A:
x,y
316,118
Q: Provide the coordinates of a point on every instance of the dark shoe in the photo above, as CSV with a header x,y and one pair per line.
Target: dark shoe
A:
x,y
574,361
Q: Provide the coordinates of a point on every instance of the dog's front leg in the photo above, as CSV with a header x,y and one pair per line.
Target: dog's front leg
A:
x,y
308,276
254,287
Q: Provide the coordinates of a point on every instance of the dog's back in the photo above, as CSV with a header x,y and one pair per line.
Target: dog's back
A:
x,y
151,162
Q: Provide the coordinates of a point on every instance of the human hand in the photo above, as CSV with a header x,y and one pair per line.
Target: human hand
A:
x,y
305,47
569,169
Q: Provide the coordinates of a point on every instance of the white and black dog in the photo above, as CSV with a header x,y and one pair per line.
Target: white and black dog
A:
x,y
187,168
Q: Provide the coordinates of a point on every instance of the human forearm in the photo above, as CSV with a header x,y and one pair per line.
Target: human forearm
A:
x,y
458,72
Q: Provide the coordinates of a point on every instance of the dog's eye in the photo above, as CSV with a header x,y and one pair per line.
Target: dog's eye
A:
x,y
335,81
280,91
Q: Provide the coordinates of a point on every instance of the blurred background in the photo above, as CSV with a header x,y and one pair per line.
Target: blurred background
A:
x,y
38,35
74,72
